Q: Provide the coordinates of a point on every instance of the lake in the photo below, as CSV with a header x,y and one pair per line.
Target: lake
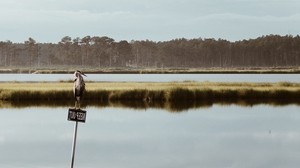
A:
x,y
155,77
215,136
133,135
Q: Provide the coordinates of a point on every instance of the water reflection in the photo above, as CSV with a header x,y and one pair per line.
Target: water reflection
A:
x,y
171,106
220,136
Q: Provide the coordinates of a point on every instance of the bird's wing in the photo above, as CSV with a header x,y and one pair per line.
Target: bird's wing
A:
x,y
82,88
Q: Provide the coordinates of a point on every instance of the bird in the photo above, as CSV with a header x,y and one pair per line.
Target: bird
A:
x,y
79,87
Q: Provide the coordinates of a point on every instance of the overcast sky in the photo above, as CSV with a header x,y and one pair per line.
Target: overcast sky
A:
x,y
157,20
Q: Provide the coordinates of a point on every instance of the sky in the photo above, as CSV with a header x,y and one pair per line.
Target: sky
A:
x,y
155,20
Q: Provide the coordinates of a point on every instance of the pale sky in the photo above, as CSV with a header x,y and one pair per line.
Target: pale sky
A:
x,y
156,20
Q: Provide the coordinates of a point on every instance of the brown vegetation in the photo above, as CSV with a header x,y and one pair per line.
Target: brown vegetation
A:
x,y
172,95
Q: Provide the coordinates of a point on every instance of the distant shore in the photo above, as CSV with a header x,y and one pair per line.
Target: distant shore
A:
x,y
258,70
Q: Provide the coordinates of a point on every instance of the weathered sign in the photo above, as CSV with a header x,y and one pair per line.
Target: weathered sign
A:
x,y
76,115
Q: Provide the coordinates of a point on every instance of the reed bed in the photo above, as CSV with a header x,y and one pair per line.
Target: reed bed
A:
x,y
139,91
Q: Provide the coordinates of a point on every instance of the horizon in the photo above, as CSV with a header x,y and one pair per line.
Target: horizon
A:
x,y
203,38
48,21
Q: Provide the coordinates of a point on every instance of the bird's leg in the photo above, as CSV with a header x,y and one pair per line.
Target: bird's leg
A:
x,y
79,103
75,104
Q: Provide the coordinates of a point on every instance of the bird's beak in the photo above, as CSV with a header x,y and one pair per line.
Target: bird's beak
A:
x,y
84,74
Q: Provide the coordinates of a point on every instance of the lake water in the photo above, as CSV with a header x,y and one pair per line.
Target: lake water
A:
x,y
156,77
211,135
216,136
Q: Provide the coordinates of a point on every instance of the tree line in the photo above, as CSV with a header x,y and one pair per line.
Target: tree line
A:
x,y
105,52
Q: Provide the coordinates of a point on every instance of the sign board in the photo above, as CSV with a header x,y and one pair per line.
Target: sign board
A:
x,y
76,115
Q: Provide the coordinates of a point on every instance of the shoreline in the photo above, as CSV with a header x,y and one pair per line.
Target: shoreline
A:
x,y
162,91
172,96
217,70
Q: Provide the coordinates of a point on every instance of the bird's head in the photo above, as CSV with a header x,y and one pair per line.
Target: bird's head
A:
x,y
77,73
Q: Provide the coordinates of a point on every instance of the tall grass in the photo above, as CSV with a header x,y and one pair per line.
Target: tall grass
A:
x,y
173,99
166,92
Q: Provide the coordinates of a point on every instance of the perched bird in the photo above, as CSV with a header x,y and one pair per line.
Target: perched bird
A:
x,y
79,87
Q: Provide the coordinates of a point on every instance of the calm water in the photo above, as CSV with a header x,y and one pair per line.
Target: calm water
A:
x,y
213,136
217,136
157,77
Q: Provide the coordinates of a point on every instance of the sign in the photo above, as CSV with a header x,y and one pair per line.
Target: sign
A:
x,y
77,115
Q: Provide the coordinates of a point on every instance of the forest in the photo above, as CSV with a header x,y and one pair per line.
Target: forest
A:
x,y
105,52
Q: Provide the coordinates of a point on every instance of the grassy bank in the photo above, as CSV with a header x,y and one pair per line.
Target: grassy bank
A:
x,y
173,96
171,91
